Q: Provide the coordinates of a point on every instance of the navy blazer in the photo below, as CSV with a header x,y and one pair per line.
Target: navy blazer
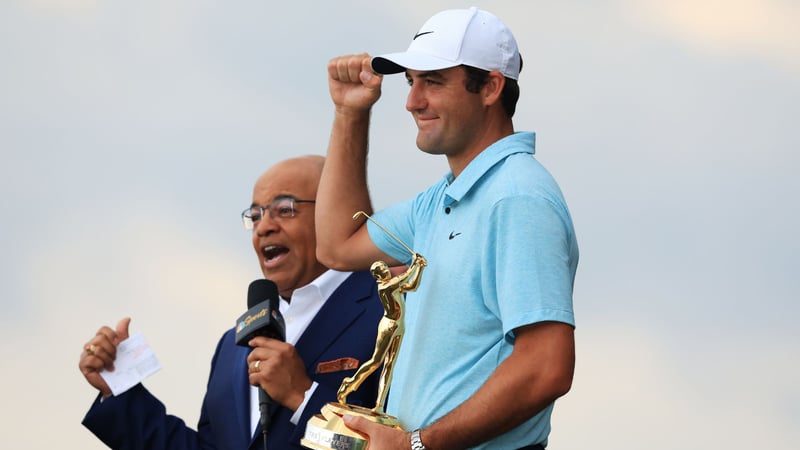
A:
x,y
346,326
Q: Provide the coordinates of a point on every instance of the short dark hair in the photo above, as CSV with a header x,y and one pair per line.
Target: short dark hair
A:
x,y
476,78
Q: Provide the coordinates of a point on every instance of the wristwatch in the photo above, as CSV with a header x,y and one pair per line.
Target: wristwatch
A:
x,y
416,442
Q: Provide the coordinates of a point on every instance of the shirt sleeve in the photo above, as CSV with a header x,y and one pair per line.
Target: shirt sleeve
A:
x,y
398,220
533,251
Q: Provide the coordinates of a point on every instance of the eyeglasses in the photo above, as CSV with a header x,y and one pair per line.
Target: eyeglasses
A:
x,y
281,207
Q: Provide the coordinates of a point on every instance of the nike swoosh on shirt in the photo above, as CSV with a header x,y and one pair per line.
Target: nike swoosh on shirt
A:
x,y
454,234
421,34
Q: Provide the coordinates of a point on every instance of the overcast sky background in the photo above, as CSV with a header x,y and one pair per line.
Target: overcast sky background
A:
x,y
131,133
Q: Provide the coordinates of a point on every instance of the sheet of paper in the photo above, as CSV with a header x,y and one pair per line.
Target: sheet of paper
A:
x,y
135,362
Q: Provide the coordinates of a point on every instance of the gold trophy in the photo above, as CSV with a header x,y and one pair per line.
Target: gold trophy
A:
x,y
327,431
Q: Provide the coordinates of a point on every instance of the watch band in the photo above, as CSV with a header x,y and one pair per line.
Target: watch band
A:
x,y
416,441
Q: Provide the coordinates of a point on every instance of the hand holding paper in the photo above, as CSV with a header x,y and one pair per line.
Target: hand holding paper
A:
x,y
135,362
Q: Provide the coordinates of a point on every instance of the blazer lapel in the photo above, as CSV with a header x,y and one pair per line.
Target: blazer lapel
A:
x,y
342,308
241,391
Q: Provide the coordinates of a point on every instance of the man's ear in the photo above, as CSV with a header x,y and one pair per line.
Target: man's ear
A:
x,y
493,88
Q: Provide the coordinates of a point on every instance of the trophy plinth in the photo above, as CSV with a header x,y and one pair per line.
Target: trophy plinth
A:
x,y
327,431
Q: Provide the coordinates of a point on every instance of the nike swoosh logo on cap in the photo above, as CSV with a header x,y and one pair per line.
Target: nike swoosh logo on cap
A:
x,y
421,34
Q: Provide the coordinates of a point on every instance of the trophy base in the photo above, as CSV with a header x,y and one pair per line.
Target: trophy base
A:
x,y
327,431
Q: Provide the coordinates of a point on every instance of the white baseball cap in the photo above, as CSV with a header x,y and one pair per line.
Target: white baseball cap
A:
x,y
471,37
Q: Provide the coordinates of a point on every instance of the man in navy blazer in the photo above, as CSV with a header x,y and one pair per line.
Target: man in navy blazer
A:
x,y
331,322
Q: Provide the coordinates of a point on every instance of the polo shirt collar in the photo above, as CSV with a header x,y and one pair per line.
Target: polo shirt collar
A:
x,y
457,188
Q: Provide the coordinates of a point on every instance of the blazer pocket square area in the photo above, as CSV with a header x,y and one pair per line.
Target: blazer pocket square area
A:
x,y
337,365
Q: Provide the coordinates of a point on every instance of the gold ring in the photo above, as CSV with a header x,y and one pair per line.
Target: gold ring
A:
x,y
256,365
90,348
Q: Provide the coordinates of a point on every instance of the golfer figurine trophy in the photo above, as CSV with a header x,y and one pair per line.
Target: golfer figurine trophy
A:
x,y
326,430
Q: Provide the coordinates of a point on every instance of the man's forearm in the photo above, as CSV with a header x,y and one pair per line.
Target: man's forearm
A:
x,y
343,186
538,371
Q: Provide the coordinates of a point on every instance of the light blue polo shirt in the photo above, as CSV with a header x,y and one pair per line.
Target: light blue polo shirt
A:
x,y
501,254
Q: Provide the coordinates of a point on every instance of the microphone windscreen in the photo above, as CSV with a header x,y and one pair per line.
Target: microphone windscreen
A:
x,y
262,290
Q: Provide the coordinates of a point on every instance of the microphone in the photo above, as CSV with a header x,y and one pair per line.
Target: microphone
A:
x,y
261,319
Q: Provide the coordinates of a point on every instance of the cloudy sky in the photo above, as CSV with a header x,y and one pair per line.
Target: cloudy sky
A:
x,y
131,133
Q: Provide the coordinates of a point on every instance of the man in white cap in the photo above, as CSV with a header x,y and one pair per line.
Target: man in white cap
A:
x,y
489,341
